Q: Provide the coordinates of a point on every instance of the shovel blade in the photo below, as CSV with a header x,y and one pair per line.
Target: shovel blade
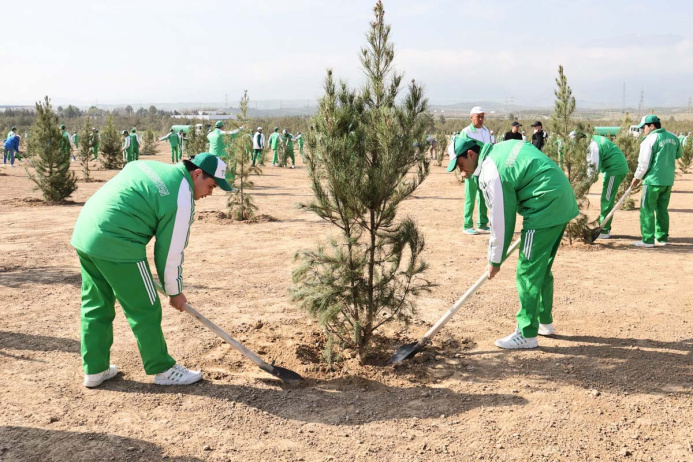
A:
x,y
594,234
285,375
405,352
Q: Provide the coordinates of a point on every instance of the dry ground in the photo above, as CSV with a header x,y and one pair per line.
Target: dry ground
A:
x,y
615,383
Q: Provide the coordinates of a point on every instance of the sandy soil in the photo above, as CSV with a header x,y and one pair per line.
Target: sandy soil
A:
x,y
616,382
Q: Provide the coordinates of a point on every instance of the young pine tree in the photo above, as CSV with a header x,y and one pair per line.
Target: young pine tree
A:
x,y
197,140
362,163
110,146
686,159
240,204
441,148
571,153
85,149
51,166
150,142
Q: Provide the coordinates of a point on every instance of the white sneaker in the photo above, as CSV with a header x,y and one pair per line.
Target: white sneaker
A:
x,y
470,231
546,329
604,236
657,243
642,244
177,375
94,380
517,341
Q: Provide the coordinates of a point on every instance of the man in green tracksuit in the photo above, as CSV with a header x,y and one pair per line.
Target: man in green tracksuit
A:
x,y
135,144
146,199
274,144
300,140
605,156
656,167
288,149
75,139
258,147
174,141
12,132
477,131
517,178
65,143
127,147
217,146
95,142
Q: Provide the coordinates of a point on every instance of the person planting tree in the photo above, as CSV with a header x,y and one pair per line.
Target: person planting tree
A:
x,y
516,178
656,168
274,140
146,200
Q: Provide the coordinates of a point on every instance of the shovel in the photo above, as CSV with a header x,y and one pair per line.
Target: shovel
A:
x,y
594,234
409,350
283,374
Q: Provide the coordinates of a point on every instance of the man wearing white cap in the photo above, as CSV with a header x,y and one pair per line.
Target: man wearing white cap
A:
x,y
475,131
258,146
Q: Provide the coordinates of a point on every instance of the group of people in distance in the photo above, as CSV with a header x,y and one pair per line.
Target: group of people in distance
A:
x,y
515,177
277,142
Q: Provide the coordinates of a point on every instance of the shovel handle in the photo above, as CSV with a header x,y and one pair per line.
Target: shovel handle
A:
x,y
458,304
226,337
616,207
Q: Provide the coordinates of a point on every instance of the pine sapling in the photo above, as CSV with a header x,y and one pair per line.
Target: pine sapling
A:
x,y
85,150
111,146
51,165
197,140
442,148
362,162
150,142
571,153
686,160
240,203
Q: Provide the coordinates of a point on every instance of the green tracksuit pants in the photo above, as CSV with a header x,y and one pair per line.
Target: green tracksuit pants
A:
x,y
95,150
609,190
472,195
534,279
275,159
176,154
288,154
654,216
258,157
136,153
131,284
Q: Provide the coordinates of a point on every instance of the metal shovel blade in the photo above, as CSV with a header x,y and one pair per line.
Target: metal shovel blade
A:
x,y
285,375
405,352
594,234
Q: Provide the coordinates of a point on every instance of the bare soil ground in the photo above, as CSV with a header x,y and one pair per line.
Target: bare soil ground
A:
x,y
615,383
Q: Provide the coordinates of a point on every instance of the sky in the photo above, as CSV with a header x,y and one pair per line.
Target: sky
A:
x,y
87,52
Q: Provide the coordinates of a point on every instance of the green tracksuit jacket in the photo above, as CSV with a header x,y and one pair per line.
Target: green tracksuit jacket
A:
x,y
217,143
274,140
607,157
517,178
657,159
146,199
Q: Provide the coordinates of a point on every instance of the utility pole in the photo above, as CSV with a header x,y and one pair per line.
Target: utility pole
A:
x,y
642,101
623,100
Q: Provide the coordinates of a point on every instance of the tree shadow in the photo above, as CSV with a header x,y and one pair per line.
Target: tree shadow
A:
x,y
347,401
681,210
20,341
40,445
604,363
18,276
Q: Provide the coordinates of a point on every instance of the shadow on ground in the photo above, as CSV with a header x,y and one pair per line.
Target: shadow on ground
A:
x,y
345,401
41,445
17,276
604,363
20,341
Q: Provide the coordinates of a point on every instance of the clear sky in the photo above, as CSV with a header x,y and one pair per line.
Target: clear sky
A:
x,y
146,51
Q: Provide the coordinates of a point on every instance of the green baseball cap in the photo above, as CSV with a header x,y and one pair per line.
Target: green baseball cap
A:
x,y
219,124
213,166
62,127
134,130
462,145
13,128
648,119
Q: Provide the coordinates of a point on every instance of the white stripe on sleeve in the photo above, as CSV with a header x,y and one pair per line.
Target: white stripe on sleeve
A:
x,y
593,158
492,188
173,272
644,156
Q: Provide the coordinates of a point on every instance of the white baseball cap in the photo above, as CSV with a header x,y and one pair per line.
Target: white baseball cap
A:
x,y
477,110
259,128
